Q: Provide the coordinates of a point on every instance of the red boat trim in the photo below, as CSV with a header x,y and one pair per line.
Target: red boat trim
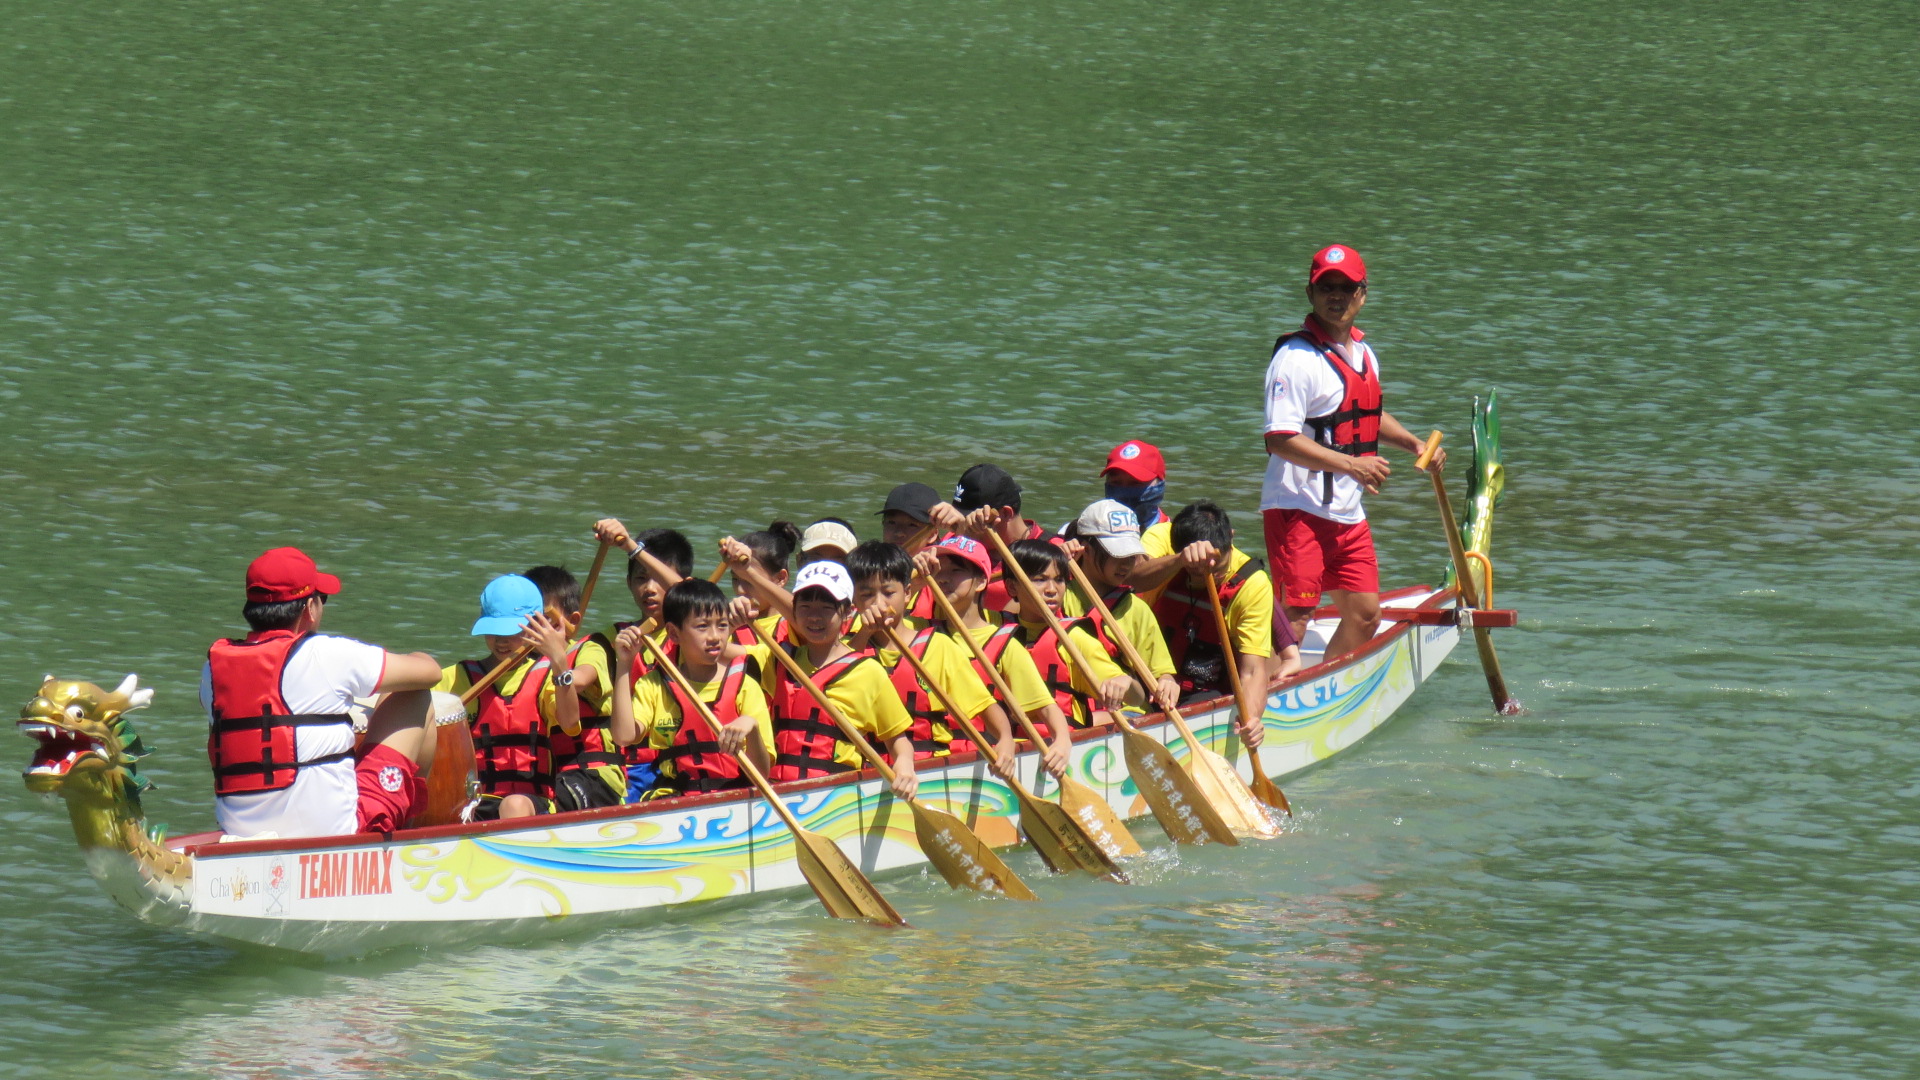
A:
x,y
213,849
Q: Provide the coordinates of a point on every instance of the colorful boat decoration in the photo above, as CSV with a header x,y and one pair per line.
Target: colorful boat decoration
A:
x,y
348,895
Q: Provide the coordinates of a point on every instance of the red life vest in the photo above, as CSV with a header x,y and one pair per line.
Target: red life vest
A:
x,y
1354,427
510,750
252,743
928,717
995,647
640,753
1056,670
698,762
746,636
804,737
594,747
1192,633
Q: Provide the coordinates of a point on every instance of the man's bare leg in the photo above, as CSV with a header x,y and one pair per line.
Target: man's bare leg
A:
x,y
404,721
1359,620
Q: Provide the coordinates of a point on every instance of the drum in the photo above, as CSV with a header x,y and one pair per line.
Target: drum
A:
x,y
451,783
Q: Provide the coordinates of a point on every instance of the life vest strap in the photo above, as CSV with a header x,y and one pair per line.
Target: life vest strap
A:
x,y
268,768
812,765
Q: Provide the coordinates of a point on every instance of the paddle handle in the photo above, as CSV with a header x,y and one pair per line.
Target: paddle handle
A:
x,y
1227,650
593,579
993,677
490,677
666,664
1032,592
1144,671
826,704
1426,452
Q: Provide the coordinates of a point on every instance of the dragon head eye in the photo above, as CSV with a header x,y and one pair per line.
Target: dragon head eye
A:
x,y
76,712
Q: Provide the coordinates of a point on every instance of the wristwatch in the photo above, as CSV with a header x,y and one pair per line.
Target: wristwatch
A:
x,y
565,678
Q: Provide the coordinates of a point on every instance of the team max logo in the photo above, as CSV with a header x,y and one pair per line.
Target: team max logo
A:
x,y
346,873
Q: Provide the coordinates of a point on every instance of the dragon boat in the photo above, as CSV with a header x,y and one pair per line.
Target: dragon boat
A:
x,y
509,880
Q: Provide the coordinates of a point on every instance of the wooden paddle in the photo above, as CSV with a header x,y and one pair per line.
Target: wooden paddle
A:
x,y
1469,592
1262,785
1176,801
1055,835
1227,793
843,890
1089,812
953,849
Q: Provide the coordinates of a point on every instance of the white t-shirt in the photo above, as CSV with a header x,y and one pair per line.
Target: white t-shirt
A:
x,y
324,676
1299,385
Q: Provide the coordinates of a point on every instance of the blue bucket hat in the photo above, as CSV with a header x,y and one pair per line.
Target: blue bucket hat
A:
x,y
506,603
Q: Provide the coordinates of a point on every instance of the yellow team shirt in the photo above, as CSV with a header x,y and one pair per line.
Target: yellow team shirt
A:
x,y
1250,612
1018,669
864,695
454,680
657,711
1136,620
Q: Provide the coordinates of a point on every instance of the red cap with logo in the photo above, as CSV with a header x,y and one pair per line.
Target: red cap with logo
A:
x,y
287,574
1338,259
1141,461
969,550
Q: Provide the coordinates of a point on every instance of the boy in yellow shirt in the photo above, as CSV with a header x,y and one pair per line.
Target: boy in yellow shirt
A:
x,y
1109,545
960,568
588,770
882,577
806,743
1203,535
1080,695
693,756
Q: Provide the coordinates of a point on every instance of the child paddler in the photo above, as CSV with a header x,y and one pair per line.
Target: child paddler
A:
x,y
588,769
1109,549
657,560
1080,695
693,756
986,497
960,568
1203,535
806,743
754,601
512,717
882,573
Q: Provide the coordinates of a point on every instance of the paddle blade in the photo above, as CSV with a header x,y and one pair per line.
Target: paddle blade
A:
x,y
962,857
1229,795
843,890
1097,820
1176,801
1266,790
1049,826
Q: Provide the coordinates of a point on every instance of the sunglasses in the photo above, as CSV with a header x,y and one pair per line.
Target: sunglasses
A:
x,y
1348,287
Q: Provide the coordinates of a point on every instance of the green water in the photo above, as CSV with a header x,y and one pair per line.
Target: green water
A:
x,y
428,287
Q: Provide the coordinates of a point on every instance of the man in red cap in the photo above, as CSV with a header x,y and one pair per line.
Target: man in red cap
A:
x,y
1136,477
282,741
1324,425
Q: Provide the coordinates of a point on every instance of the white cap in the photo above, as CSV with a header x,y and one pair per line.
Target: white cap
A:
x,y
1114,525
828,534
827,575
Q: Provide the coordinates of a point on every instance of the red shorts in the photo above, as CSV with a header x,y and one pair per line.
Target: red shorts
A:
x,y
1311,554
391,790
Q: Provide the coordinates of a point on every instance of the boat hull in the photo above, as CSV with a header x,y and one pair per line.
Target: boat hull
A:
x,y
339,896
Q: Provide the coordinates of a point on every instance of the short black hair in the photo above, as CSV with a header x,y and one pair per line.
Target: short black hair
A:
x,y
694,596
667,545
1034,556
773,545
1203,520
558,588
877,558
275,614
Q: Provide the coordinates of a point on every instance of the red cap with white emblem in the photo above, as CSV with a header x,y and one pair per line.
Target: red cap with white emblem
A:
x,y
1338,259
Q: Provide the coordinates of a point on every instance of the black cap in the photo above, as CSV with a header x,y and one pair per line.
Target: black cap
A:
x,y
985,485
914,500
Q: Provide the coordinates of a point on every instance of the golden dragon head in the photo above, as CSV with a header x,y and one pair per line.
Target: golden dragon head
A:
x,y
83,734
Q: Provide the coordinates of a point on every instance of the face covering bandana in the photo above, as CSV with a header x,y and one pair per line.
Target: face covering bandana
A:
x,y
1142,499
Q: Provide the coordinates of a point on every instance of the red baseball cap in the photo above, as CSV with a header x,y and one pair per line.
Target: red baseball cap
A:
x,y
1339,259
287,574
1142,461
967,549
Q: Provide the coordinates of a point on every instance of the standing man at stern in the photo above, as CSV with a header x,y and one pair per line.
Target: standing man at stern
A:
x,y
1323,432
